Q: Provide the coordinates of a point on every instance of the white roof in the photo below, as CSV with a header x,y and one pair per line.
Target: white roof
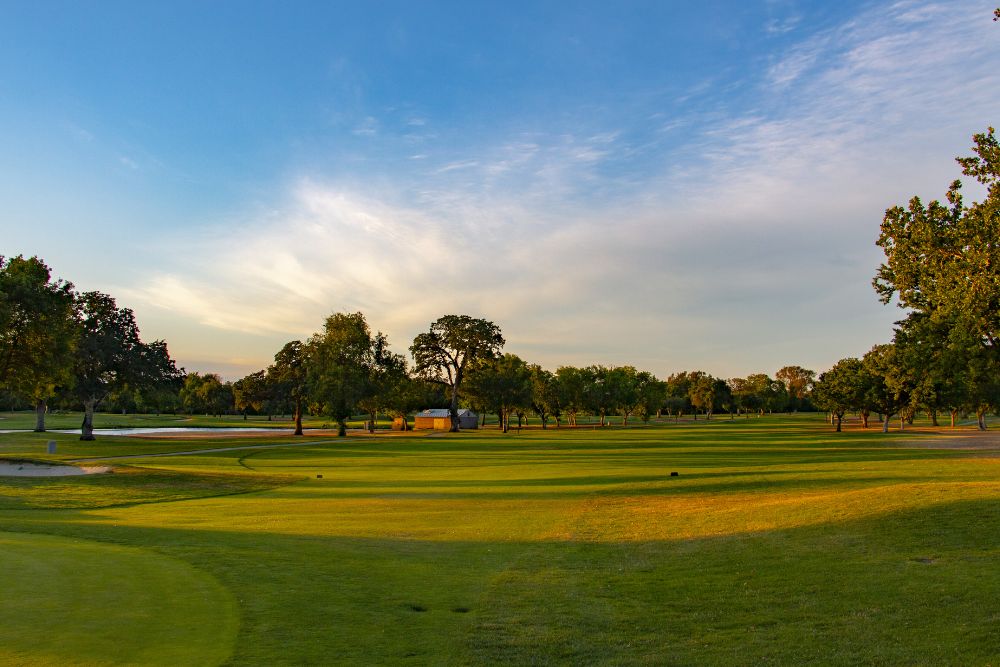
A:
x,y
444,412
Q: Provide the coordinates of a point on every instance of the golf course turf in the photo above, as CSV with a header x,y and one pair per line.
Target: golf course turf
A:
x,y
779,542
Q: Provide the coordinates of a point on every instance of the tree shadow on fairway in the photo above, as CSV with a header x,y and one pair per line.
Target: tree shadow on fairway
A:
x,y
916,586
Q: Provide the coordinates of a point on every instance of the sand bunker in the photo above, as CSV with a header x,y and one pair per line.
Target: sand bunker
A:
x,y
29,469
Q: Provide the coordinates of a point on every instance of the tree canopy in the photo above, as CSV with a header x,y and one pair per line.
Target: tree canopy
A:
x,y
443,354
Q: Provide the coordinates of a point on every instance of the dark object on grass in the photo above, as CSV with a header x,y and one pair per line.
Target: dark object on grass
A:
x,y
461,610
319,476
675,474
417,607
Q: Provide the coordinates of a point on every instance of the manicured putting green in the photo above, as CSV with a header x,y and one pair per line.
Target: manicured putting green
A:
x,y
79,602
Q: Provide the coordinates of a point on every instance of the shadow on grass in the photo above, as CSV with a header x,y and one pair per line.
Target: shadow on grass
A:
x,y
919,586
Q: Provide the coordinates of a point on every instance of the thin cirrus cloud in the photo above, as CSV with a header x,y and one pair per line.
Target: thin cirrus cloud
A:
x,y
743,245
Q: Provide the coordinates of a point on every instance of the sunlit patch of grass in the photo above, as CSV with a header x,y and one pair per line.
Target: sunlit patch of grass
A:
x,y
127,486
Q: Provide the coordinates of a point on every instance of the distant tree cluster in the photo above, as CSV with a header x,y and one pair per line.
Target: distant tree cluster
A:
x,y
943,266
76,348
346,370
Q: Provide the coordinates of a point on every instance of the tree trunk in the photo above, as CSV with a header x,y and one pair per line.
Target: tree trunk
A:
x,y
981,418
864,418
341,428
838,418
40,408
934,419
371,423
298,416
87,428
885,423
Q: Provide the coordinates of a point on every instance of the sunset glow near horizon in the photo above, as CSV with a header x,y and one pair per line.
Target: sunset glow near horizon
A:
x,y
655,184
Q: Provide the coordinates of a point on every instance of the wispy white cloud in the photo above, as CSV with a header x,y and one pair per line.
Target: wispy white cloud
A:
x,y
748,242
367,128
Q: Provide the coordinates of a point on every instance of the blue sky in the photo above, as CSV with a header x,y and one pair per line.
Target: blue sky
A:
x,y
672,185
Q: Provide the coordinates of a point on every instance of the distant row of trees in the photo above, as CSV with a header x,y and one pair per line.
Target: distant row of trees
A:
x,y
83,351
346,370
943,265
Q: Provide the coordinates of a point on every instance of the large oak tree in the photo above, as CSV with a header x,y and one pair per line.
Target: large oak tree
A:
x,y
444,353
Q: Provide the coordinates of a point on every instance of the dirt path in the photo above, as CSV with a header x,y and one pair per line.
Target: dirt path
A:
x,y
947,438
198,451
363,434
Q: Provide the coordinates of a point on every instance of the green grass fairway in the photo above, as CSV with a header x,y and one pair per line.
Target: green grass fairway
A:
x,y
78,602
780,542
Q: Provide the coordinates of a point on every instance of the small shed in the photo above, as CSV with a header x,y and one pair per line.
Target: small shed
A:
x,y
440,420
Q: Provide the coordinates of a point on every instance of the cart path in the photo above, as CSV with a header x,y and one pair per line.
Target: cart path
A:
x,y
198,451
218,449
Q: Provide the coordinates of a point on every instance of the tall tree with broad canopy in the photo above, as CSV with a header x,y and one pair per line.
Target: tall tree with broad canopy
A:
x,y
842,388
251,392
888,384
503,384
545,397
651,395
571,385
387,382
287,376
38,332
110,355
798,383
339,363
943,261
443,354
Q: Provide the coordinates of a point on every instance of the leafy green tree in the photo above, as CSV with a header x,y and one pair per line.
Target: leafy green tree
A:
x,y
251,392
190,395
702,392
626,390
38,332
443,354
571,385
339,365
545,395
110,355
651,395
798,384
842,388
288,378
598,397
503,383
678,399
943,262
889,387
387,381
743,396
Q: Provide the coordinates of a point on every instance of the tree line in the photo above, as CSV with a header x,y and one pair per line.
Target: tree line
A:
x,y
346,370
943,266
81,350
